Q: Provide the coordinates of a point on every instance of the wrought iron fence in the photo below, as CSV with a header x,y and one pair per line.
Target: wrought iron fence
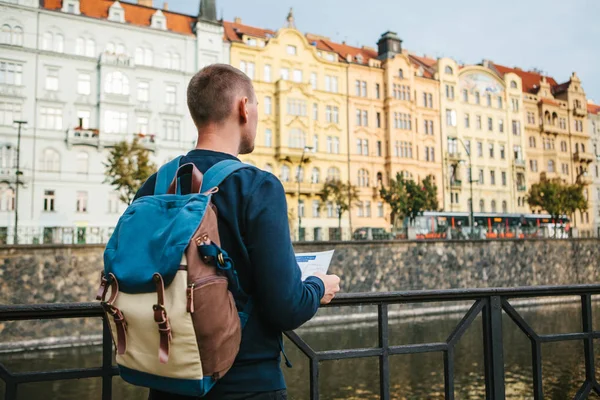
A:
x,y
489,303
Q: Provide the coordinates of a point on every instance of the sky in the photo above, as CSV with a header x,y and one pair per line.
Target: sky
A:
x,y
556,36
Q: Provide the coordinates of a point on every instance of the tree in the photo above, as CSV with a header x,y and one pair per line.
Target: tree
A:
x,y
342,196
408,198
557,198
127,168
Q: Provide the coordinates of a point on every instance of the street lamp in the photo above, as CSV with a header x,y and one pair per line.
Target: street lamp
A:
x,y
472,220
304,149
17,174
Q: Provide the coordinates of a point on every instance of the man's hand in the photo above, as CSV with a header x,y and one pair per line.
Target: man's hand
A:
x,y
332,286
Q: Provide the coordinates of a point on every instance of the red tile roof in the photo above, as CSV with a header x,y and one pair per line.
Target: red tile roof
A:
x,y
343,50
134,14
531,80
593,108
426,63
234,31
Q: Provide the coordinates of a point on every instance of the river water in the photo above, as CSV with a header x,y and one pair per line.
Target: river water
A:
x,y
412,376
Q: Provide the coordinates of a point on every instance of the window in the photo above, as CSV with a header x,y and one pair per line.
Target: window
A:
x,y
144,56
500,102
247,68
172,60
364,89
450,117
379,152
50,118
297,139
515,105
296,107
492,177
117,83
172,129
450,92
11,73
299,175
550,166
142,125
531,142
50,161
533,165
11,35
502,152
477,98
313,80
579,126
358,118
380,209
363,178
291,50
448,70
268,105
143,89
333,174
503,178
563,146
430,100
82,202
365,118
501,125
49,200
378,115
490,124
80,46
298,75
357,88
52,80
513,84
481,177
330,213
9,112
467,122
400,73
336,115
83,118
479,149
171,95
465,95
268,137
489,100
315,111
562,123
367,209
84,84
493,206
316,209
377,91
267,73
115,121
516,128
491,148
315,176
565,168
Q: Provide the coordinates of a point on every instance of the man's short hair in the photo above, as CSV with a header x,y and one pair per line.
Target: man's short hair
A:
x,y
211,92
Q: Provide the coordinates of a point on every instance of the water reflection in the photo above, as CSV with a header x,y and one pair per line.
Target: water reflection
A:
x,y
412,376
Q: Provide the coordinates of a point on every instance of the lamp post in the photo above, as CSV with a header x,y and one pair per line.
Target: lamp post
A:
x,y
471,219
304,149
17,174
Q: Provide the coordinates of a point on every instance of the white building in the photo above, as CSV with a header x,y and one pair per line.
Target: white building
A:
x,y
85,74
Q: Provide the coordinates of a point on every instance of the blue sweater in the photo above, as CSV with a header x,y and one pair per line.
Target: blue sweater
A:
x,y
253,228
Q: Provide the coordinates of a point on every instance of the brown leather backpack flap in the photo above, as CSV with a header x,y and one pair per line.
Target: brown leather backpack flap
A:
x,y
207,232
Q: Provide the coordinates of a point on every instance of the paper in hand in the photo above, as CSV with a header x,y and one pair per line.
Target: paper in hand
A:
x,y
310,263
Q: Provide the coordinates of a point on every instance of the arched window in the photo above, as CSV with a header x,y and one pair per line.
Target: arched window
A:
x,y
17,36
448,70
401,73
315,175
82,163
504,206
59,43
144,56
172,60
481,206
554,119
299,176
47,41
116,83
268,168
285,173
513,84
90,47
51,160
493,206
80,46
5,34
333,174
7,198
110,47
379,179
547,117
363,178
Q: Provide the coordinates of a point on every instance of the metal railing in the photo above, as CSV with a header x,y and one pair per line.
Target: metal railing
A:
x,y
490,303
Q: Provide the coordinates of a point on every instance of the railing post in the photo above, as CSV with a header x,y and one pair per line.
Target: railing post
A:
x,y
384,360
11,391
493,349
586,317
314,379
107,351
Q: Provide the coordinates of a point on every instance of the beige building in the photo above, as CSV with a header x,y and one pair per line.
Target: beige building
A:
x,y
557,135
594,129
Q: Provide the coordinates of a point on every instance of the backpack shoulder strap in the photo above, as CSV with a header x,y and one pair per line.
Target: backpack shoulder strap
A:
x,y
165,175
218,172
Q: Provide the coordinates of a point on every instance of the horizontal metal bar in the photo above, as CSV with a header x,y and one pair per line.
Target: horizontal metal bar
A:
x,y
29,377
418,348
563,337
421,296
19,312
347,354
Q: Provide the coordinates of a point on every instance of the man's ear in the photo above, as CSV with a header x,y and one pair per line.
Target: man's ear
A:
x,y
243,110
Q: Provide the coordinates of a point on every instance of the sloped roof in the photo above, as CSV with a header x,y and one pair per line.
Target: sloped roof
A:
x,y
531,80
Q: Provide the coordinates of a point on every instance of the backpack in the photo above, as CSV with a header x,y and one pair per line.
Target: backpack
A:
x,y
167,286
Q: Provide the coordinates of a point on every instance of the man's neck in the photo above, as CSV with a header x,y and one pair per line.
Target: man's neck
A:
x,y
218,140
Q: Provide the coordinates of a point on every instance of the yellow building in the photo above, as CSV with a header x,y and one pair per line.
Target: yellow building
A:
x,y
301,91
558,141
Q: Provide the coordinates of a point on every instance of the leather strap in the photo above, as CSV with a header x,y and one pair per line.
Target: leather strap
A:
x,y
189,168
160,317
118,317
101,293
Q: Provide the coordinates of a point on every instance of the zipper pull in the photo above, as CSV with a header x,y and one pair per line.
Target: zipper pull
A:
x,y
190,298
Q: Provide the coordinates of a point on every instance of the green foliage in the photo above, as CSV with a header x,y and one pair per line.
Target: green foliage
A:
x,y
556,197
342,196
127,168
408,198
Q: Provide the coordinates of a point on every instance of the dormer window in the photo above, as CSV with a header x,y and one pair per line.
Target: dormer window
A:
x,y
359,59
448,70
159,21
116,13
71,6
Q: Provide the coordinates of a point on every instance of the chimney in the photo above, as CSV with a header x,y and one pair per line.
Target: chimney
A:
x,y
145,3
166,6
237,20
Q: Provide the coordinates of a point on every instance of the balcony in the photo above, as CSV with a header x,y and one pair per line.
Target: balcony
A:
x,y
306,188
520,164
521,187
580,112
584,180
147,140
83,137
456,184
583,157
8,174
120,60
549,127
454,156
12,90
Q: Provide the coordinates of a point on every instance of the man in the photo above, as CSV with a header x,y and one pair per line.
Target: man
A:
x,y
253,227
